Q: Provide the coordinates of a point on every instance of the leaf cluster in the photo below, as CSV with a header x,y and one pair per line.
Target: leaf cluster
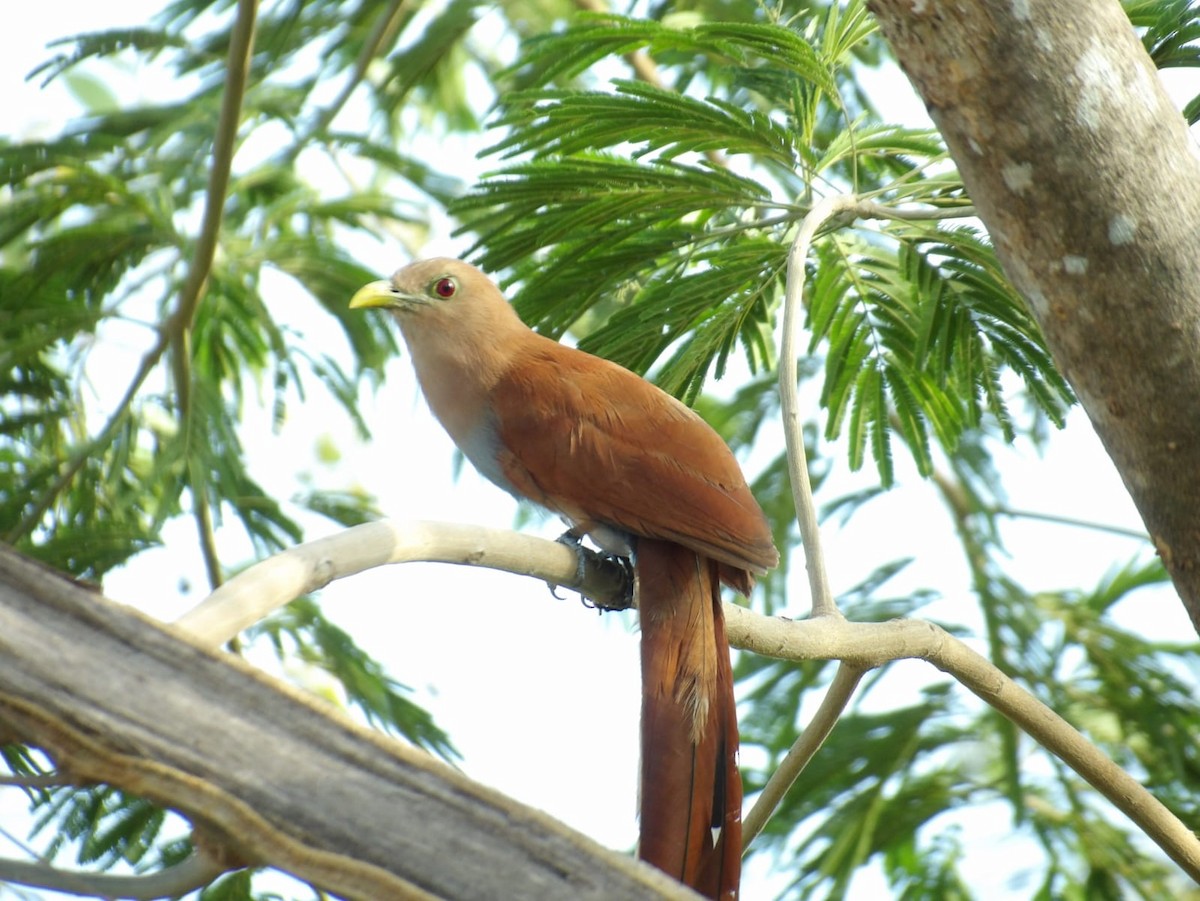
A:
x,y
668,211
918,336
1170,31
123,409
95,238
896,784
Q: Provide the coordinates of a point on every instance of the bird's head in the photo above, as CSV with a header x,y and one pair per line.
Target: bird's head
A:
x,y
435,288
447,311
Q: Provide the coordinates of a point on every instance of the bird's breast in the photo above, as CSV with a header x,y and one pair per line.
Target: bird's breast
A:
x,y
463,410
479,440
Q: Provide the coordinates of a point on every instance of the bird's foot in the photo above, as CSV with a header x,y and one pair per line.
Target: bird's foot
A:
x,y
624,593
575,543
628,580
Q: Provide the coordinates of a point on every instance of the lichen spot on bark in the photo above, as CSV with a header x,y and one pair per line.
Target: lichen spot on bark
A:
x,y
1122,229
1075,265
1098,81
1017,176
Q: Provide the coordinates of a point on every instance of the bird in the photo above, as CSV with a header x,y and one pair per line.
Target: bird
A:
x,y
642,476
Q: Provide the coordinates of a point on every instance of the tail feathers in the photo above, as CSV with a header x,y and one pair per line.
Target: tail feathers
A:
x,y
722,872
691,793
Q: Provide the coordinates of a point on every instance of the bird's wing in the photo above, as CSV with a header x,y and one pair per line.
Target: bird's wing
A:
x,y
599,444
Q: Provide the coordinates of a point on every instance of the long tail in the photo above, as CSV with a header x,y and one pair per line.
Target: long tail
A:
x,y
691,793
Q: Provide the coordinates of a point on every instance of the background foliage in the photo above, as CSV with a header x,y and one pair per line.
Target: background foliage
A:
x,y
644,177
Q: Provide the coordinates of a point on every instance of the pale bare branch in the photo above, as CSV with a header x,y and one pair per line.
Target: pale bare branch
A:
x,y
863,646
268,585
840,691
193,873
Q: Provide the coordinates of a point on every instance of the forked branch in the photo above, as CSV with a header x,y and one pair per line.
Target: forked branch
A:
x,y
276,581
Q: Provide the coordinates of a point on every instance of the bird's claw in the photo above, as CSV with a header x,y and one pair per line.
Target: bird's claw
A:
x,y
575,542
628,580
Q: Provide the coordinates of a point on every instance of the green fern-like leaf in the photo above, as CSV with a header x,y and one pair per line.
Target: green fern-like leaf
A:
x,y
915,334
555,56
562,123
378,696
538,204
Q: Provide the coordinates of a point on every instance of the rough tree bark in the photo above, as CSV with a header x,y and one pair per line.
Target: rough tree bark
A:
x,y
1087,179
267,773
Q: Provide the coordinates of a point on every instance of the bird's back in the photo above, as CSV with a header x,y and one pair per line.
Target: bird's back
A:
x,y
593,441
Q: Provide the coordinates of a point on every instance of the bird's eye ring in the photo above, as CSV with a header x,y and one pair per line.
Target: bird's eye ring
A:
x,y
445,287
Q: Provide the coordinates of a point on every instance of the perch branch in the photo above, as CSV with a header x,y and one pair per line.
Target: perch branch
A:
x,y
252,594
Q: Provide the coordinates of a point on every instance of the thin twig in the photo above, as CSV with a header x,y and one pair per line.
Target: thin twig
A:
x,y
841,689
383,32
172,330
869,209
39,780
1119,531
806,511
868,645
237,68
17,843
823,605
194,872
202,514
639,61
237,74
31,519
806,514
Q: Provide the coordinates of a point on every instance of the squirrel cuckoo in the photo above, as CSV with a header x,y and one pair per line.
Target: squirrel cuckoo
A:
x,y
644,477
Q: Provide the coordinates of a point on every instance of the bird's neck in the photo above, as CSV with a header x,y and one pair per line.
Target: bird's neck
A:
x,y
457,378
440,366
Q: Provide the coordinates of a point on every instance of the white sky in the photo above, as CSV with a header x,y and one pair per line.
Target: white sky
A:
x,y
540,695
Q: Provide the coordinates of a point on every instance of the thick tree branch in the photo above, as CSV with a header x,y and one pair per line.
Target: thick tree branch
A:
x,y
276,776
1089,184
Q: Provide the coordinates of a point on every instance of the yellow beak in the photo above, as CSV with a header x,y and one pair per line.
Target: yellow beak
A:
x,y
375,294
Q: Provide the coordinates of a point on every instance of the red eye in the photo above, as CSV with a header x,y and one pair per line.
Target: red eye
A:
x,y
445,287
